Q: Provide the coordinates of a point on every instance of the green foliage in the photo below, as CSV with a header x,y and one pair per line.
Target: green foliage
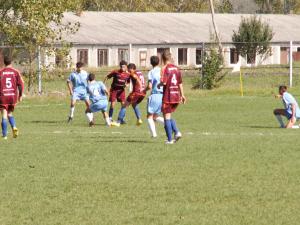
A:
x,y
279,6
147,6
212,73
253,38
225,6
33,23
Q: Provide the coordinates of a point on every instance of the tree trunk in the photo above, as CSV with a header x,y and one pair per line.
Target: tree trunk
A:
x,y
212,9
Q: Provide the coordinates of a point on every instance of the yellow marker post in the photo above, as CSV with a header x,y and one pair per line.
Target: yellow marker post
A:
x,y
241,84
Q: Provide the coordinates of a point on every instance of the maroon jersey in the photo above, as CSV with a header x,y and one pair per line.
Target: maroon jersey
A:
x,y
171,78
11,84
138,87
120,79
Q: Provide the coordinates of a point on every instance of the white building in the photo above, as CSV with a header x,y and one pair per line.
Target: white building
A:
x,y
104,38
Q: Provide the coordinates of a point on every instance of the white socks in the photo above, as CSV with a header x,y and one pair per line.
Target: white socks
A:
x,y
151,125
279,118
160,120
90,116
72,111
108,121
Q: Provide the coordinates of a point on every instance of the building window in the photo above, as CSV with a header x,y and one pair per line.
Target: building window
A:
x,y
160,51
123,54
143,58
182,56
298,49
199,56
82,56
234,56
102,57
251,60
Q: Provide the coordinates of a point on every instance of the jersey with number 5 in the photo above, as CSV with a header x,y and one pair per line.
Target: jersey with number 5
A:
x,y
11,84
171,78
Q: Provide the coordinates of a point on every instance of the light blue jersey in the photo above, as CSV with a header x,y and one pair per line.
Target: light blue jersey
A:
x,y
79,81
288,100
98,98
154,78
155,99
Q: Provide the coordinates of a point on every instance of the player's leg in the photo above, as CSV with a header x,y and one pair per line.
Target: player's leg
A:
x,y
72,108
111,110
278,114
106,118
122,112
168,127
4,123
90,116
12,122
150,118
137,112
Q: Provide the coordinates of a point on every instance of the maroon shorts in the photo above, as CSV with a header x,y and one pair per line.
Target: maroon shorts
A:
x,y
117,95
135,98
7,107
169,107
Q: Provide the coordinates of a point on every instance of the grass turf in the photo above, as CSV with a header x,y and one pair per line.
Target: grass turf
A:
x,y
233,166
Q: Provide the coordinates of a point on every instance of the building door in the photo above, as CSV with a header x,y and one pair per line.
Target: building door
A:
x,y
102,57
284,55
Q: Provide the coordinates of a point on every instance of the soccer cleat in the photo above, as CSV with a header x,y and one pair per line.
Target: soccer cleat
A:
x,y
91,124
139,122
123,122
178,136
4,137
115,124
170,142
70,119
15,132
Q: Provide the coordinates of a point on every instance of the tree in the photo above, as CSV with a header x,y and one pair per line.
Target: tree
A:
x,y
34,23
253,38
279,6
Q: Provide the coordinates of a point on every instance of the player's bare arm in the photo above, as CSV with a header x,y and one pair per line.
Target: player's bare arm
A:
x,y
182,94
70,88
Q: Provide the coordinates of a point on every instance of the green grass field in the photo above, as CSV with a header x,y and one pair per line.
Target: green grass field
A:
x,y
233,166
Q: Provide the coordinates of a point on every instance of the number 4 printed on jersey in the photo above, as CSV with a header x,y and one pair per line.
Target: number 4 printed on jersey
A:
x,y
174,80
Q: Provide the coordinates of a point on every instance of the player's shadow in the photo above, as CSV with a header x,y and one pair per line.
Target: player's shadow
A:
x,y
121,140
45,122
261,127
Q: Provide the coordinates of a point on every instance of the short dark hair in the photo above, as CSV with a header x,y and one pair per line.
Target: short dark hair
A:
x,y
154,60
92,77
123,62
131,66
7,60
282,88
166,56
79,65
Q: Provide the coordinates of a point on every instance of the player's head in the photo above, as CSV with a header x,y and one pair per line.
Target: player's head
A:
x,y
131,67
123,65
91,77
79,66
166,56
282,89
7,60
154,60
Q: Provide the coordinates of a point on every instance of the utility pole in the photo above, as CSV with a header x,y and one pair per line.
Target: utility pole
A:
x,y
212,9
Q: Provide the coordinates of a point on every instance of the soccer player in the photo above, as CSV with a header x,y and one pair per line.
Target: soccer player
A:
x,y
291,109
172,95
77,84
11,90
135,97
118,85
98,97
155,99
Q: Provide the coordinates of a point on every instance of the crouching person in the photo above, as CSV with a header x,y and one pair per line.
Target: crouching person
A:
x,y
291,109
98,97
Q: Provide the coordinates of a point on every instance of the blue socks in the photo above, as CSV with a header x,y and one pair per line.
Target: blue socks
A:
x,y
168,129
12,121
174,127
122,114
111,112
4,127
137,112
